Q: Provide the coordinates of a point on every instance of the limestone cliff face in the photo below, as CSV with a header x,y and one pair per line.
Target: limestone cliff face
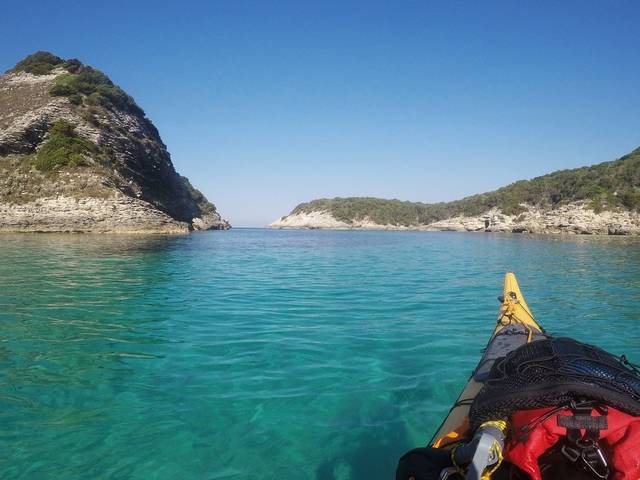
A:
x,y
575,218
77,154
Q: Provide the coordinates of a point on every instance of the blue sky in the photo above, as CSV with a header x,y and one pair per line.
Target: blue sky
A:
x,y
268,104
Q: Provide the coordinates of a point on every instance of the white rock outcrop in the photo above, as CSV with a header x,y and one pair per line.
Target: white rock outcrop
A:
x,y
88,215
574,218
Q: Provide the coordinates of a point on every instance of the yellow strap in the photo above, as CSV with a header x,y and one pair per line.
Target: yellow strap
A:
x,y
509,312
486,475
499,424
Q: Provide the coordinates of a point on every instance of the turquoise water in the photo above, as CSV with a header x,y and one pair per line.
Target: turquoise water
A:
x,y
269,354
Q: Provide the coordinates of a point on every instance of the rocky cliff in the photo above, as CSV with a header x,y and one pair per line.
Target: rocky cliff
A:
x,y
572,218
601,199
78,154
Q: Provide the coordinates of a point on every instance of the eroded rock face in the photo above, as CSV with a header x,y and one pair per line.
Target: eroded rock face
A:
x,y
575,218
315,219
119,213
572,218
128,184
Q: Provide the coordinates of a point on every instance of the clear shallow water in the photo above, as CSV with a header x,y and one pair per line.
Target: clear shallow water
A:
x,y
269,354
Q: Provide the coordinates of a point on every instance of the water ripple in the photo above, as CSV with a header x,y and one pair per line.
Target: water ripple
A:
x,y
314,354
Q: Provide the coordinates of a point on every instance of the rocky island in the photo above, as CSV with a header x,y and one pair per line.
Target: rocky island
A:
x,y
77,154
600,199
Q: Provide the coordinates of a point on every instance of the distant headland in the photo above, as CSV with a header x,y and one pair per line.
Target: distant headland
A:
x,y
600,199
77,154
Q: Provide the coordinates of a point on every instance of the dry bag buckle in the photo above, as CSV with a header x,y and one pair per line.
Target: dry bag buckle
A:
x,y
595,461
584,450
570,453
591,457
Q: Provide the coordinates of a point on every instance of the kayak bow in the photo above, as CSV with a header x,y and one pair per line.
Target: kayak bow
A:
x,y
515,327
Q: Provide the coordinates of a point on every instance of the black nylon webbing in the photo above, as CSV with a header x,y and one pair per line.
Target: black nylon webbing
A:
x,y
587,422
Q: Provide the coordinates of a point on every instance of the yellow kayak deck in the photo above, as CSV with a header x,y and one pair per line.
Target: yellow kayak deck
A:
x,y
514,311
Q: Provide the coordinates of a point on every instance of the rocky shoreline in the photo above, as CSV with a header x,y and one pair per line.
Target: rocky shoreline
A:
x,y
574,218
120,214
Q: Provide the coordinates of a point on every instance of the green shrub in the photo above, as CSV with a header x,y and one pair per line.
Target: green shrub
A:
x,y
75,99
73,65
630,198
64,86
39,63
98,88
63,147
94,99
597,204
205,205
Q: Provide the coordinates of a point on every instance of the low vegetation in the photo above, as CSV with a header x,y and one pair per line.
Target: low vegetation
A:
x,y
63,147
81,83
205,205
604,186
39,63
93,87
